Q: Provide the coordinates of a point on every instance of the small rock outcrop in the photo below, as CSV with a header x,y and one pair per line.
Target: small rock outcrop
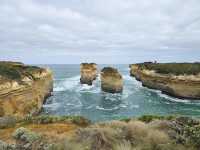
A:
x,y
111,80
88,73
23,88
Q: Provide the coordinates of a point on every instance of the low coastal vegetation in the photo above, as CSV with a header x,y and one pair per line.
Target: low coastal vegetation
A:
x,y
172,68
45,132
77,133
16,71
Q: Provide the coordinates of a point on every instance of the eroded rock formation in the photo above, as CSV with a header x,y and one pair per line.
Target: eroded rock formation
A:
x,y
23,89
111,80
181,86
88,73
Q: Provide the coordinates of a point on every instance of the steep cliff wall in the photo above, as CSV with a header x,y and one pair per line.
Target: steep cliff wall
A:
x,y
23,89
181,86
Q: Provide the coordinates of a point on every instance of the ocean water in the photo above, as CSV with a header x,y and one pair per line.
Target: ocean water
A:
x,y
72,98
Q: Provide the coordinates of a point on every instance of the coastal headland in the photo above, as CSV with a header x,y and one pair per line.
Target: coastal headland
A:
x,y
24,89
181,80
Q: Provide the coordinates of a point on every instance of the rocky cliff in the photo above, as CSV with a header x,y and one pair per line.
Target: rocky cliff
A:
x,y
88,73
111,80
178,80
23,89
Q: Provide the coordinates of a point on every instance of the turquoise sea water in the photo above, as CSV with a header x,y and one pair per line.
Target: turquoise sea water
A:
x,y
72,98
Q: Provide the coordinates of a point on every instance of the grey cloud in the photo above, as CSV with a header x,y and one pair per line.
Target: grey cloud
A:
x,y
99,29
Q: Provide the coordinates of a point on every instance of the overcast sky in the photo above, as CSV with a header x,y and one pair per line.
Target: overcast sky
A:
x,y
101,31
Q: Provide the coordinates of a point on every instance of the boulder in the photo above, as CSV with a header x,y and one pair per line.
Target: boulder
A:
x,y
111,80
88,73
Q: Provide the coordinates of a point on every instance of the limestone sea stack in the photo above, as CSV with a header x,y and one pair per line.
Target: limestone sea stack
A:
x,y
181,80
111,80
88,73
23,88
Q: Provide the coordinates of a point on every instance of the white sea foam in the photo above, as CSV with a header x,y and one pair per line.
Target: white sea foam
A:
x,y
67,84
173,99
52,106
73,83
135,106
107,109
86,87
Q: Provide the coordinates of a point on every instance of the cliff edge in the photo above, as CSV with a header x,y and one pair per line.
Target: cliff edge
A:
x,y
23,88
180,80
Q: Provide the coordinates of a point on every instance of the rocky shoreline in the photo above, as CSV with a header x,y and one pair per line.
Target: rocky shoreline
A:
x,y
183,86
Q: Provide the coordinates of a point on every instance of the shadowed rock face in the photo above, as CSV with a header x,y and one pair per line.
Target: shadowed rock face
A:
x,y
88,73
23,89
181,86
111,80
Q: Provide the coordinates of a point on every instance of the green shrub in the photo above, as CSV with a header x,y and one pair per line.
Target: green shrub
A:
x,y
25,135
16,71
149,118
192,134
46,119
173,68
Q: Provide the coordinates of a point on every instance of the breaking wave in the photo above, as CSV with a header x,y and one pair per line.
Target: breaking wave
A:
x,y
72,98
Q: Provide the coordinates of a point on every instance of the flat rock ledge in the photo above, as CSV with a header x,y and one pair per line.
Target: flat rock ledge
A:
x,y
111,80
88,73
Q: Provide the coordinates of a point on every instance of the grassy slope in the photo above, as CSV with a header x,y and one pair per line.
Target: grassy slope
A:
x,y
173,68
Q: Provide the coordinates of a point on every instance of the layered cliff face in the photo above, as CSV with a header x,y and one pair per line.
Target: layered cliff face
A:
x,y
88,73
23,89
111,80
176,84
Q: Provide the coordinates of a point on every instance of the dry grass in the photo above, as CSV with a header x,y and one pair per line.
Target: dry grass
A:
x,y
124,146
51,132
113,135
119,135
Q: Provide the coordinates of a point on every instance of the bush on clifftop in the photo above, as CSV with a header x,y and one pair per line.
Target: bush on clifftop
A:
x,y
173,68
16,71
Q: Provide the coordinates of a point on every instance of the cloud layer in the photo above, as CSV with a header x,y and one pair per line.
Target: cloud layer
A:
x,y
104,31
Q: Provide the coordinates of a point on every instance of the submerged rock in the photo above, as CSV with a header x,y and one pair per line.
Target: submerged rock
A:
x,y
111,80
88,73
